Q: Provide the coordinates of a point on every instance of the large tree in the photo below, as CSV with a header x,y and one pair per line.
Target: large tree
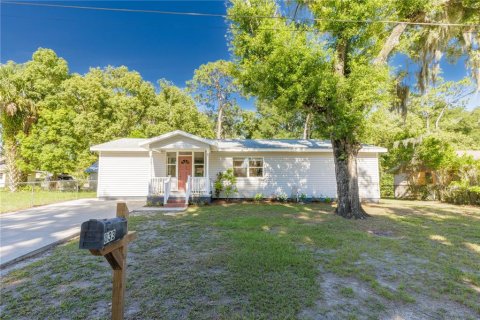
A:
x,y
333,65
23,87
327,74
102,105
213,85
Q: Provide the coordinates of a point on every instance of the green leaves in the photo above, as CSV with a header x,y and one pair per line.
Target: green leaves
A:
x,y
55,117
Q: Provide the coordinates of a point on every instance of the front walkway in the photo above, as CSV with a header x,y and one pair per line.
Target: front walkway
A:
x,y
28,231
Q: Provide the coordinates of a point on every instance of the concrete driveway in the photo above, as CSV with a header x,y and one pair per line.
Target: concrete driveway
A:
x,y
29,231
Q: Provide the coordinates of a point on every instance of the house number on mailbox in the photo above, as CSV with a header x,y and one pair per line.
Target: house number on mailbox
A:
x,y
109,236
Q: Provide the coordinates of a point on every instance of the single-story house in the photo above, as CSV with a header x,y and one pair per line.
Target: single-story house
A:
x,y
180,165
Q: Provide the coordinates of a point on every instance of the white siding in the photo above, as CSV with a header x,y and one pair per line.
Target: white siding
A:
x,y
368,176
123,174
310,173
127,174
313,174
179,142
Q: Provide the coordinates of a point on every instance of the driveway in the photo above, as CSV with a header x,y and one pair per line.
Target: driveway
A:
x,y
29,231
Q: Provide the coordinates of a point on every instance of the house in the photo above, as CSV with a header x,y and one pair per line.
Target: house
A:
x,y
179,165
92,172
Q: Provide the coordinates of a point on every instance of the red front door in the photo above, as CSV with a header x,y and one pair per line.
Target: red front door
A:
x,y
184,170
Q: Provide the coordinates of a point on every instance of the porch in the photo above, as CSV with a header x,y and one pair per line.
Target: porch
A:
x,y
179,169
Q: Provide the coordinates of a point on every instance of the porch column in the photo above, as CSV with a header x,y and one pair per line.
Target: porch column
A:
x,y
207,166
150,155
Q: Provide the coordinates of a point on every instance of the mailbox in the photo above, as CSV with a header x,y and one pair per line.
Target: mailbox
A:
x,y
96,234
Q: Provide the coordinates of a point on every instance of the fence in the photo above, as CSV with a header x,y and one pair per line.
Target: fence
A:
x,y
30,194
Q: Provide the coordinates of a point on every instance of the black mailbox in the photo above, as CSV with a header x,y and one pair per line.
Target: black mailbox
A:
x,y
96,234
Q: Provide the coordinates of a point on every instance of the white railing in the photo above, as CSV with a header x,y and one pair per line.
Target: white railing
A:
x,y
188,189
157,185
167,185
200,186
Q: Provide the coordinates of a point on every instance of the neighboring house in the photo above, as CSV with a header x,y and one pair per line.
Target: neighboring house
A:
x,y
401,183
92,172
137,168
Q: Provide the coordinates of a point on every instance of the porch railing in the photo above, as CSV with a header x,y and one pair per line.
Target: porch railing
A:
x,y
188,189
200,186
167,186
157,185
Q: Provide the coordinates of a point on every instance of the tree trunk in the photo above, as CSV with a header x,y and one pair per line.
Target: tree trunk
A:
x,y
219,123
306,127
13,174
348,198
390,44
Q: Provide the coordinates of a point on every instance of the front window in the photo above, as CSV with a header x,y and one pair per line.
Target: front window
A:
x,y
248,167
199,164
172,164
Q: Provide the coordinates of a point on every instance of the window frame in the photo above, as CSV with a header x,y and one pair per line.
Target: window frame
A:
x,y
248,159
194,165
172,164
192,156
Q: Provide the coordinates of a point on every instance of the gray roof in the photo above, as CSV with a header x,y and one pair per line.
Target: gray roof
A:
x,y
272,144
125,144
130,144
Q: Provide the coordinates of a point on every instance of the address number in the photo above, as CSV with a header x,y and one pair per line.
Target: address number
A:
x,y
109,236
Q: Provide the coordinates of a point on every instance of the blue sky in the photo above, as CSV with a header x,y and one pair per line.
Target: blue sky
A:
x,y
157,46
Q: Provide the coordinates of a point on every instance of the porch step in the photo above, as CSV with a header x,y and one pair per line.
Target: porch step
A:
x,y
175,204
176,200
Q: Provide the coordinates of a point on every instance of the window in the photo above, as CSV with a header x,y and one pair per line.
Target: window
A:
x,y
172,164
248,167
199,164
255,167
1,176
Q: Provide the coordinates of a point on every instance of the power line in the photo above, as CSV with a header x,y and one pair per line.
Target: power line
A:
x,y
225,16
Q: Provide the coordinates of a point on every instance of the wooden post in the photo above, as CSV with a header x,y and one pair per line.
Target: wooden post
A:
x,y
116,255
119,276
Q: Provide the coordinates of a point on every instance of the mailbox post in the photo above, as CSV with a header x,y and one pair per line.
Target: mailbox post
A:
x,y
114,250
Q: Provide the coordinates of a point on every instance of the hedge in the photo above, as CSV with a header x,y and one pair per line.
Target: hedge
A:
x,y
462,195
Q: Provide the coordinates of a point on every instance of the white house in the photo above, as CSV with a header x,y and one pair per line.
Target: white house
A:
x,y
179,165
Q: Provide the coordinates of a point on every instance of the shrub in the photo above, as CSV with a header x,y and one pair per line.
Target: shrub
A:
x,y
281,196
302,197
225,182
258,197
460,193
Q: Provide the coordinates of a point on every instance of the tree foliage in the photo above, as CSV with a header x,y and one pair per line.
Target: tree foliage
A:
x,y
52,117
213,85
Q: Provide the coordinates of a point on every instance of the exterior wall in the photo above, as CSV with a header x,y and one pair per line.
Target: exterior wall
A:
x,y
127,174
310,173
368,176
123,174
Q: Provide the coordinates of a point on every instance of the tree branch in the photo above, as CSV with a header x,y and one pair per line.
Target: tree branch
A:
x,y
392,41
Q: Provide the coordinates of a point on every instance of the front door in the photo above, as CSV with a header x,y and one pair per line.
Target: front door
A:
x,y
184,170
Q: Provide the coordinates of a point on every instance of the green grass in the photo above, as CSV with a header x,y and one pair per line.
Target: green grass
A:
x,y
270,261
12,201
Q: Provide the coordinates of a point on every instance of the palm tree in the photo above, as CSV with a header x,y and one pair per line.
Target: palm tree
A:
x,y
17,114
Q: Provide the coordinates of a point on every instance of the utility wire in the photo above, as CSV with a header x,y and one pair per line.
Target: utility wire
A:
x,y
225,16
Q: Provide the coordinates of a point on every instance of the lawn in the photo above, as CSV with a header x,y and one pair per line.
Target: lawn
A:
x,y
410,260
12,201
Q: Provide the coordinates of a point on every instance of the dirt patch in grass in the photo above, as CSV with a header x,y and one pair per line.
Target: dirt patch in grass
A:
x,y
410,260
